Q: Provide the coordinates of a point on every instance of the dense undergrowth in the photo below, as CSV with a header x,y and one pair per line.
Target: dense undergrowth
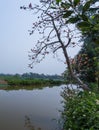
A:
x,y
27,82
81,109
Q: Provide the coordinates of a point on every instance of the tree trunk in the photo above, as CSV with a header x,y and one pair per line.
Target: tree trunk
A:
x,y
82,85
74,76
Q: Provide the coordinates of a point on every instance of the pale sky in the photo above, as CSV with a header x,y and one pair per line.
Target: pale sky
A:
x,y
15,41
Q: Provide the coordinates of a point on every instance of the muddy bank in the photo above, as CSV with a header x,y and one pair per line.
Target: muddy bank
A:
x,y
3,82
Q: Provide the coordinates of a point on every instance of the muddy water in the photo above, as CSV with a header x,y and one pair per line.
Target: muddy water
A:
x,y
35,109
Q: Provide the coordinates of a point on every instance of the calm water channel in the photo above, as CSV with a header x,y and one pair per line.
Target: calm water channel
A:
x,y
33,109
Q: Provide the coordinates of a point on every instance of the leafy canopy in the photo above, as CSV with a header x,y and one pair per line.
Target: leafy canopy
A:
x,y
85,14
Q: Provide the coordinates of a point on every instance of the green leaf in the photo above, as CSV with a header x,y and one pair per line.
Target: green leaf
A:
x,y
80,7
73,20
86,6
96,27
58,1
67,14
84,17
76,2
65,5
84,26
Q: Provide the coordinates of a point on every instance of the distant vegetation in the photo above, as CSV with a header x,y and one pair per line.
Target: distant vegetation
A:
x,y
31,76
28,79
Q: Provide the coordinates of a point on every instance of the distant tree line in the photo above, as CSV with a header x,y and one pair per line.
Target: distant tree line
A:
x,y
32,76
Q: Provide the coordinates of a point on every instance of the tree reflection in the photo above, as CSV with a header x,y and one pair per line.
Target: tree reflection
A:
x,y
29,125
29,87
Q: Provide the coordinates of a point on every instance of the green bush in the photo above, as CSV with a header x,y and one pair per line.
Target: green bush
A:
x,y
81,110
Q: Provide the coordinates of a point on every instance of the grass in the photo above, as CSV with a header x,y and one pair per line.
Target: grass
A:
x,y
28,82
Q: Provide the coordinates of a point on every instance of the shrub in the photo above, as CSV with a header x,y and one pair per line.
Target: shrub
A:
x,y
81,110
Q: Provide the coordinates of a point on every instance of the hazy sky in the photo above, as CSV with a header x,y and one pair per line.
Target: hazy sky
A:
x,y
15,41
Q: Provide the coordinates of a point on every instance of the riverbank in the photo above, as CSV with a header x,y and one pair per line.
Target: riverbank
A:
x,y
21,83
3,84
28,82
28,79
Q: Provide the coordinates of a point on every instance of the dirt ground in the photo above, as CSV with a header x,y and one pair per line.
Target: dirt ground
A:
x,y
3,81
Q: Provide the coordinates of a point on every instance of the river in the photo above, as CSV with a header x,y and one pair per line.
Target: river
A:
x,y
35,109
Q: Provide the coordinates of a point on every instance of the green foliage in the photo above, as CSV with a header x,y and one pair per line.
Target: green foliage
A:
x,y
29,82
76,2
72,19
86,63
30,76
85,25
28,79
86,6
67,14
65,5
81,111
57,1
83,15
95,88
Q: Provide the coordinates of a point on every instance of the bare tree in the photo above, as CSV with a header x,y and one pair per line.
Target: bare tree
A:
x,y
54,35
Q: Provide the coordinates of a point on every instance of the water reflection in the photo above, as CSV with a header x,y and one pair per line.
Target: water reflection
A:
x,y
33,87
29,125
9,88
33,109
